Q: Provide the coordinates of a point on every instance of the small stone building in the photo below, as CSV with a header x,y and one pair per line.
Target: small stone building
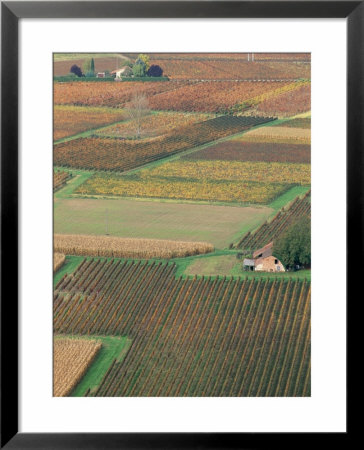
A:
x,y
264,260
249,264
269,264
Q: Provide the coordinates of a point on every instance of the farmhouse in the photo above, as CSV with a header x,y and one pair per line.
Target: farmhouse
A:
x,y
268,264
264,261
101,75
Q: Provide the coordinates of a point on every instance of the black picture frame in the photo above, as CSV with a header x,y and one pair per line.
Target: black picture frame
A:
x,y
11,12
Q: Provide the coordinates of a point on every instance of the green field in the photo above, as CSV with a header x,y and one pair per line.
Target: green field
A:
x,y
155,220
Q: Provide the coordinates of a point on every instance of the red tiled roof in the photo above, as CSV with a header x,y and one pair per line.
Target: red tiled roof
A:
x,y
264,251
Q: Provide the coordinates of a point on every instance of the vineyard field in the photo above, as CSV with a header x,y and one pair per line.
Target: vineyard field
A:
x,y
223,191
191,337
287,104
278,135
60,178
267,172
299,122
296,57
235,150
185,95
71,120
232,68
300,207
217,96
153,125
108,94
121,155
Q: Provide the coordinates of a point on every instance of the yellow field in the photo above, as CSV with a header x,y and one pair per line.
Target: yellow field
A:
x,y
58,261
201,190
88,245
266,172
278,134
71,359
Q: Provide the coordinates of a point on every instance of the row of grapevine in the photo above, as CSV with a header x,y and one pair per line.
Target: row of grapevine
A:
x,y
60,178
120,154
301,207
194,336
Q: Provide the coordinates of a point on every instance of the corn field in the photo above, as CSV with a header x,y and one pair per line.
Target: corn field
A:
x,y
71,359
109,246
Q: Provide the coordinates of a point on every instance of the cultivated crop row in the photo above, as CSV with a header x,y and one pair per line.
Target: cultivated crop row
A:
x,y
193,336
60,178
301,207
88,245
120,154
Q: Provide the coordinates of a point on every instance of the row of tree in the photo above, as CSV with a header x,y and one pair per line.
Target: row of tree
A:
x,y
140,68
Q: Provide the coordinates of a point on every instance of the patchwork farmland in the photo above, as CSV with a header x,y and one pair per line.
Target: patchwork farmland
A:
x,y
166,182
192,337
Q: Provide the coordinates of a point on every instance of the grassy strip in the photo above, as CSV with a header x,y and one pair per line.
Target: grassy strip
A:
x,y
112,348
287,197
69,266
72,184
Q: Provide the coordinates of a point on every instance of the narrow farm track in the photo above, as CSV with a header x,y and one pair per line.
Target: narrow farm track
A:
x,y
190,337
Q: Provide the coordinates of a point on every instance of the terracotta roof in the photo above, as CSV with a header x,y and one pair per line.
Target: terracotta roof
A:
x,y
264,251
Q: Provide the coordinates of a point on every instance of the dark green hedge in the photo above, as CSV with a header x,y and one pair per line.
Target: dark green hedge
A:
x,y
66,79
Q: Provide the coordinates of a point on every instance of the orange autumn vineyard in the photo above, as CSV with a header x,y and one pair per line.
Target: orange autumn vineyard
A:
x,y
168,168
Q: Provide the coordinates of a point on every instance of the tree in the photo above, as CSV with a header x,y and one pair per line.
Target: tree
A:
x,y
137,109
76,70
294,246
89,67
139,68
155,71
126,62
145,59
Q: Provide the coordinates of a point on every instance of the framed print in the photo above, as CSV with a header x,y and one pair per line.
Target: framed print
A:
x,y
185,257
